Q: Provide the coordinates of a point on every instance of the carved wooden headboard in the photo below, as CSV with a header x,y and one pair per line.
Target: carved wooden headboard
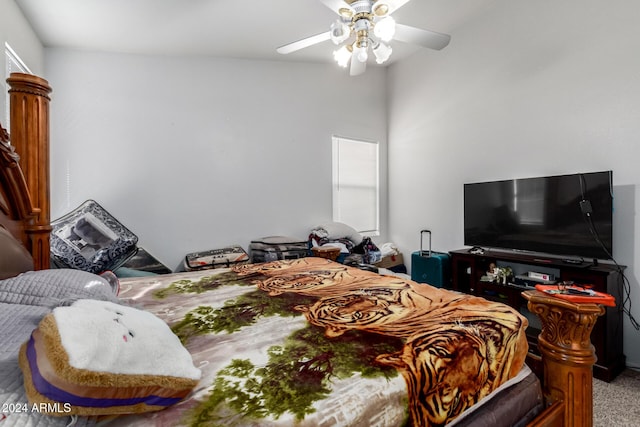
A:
x,y
24,166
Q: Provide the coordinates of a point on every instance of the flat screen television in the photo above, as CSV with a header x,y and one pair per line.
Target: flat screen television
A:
x,y
566,215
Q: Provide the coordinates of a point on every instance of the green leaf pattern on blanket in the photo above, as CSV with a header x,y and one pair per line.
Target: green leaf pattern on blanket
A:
x,y
204,284
237,313
297,374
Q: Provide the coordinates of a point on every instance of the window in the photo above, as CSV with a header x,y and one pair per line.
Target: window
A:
x,y
13,64
356,184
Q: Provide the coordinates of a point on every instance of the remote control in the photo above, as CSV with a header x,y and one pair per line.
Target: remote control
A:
x,y
574,291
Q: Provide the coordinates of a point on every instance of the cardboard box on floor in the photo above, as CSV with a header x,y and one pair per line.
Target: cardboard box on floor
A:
x,y
390,261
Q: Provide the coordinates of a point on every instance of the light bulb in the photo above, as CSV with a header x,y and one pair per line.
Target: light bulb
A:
x,y
385,28
362,54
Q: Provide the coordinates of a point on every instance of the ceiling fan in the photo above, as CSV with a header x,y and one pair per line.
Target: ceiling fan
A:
x,y
367,24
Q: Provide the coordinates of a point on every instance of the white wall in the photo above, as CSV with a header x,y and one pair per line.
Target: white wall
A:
x,y
15,30
525,89
198,153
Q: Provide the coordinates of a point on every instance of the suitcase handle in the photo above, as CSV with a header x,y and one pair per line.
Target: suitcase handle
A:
x,y
422,232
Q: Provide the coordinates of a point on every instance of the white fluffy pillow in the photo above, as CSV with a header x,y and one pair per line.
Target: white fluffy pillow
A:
x,y
339,230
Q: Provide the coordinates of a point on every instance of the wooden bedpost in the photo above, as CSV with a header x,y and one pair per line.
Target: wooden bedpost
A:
x,y
568,355
29,127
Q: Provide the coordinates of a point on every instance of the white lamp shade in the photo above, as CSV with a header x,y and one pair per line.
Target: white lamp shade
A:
x,y
342,56
339,32
385,28
382,52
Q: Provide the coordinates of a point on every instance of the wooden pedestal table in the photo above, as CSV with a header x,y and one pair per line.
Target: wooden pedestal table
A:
x,y
568,357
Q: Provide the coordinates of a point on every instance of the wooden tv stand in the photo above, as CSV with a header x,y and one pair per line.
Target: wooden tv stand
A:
x,y
468,268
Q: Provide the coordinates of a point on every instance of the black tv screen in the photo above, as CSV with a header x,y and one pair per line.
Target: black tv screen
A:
x,y
569,215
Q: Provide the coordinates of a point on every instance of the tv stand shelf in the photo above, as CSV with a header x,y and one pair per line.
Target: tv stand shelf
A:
x,y
468,268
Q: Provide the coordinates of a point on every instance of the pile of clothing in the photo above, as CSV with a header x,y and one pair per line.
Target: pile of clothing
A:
x,y
354,247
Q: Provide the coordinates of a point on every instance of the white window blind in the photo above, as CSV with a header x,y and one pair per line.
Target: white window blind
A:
x,y
13,64
356,184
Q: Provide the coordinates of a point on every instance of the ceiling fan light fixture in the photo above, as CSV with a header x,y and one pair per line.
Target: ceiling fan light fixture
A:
x,y
343,55
385,29
361,24
339,32
382,52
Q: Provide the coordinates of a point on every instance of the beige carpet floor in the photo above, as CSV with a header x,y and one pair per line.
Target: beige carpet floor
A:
x,y
617,404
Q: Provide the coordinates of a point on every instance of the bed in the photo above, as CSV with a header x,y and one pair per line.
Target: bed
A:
x,y
307,342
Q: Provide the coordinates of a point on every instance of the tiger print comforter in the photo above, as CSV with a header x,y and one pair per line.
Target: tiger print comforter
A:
x,y
311,342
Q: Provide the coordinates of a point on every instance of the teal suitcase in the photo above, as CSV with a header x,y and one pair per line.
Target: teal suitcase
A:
x,y
433,268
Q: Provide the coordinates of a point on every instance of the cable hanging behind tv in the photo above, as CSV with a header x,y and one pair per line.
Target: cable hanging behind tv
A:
x,y
564,215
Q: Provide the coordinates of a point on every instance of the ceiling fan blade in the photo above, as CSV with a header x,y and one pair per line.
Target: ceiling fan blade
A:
x,y
391,6
337,5
357,67
306,42
425,38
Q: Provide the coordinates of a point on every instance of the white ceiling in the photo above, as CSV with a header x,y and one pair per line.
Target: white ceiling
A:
x,y
227,28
